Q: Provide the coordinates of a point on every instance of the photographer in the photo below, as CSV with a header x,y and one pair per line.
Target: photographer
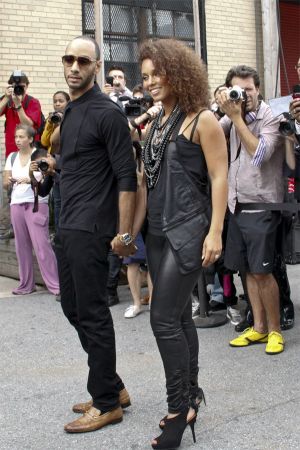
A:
x,y
215,107
140,111
60,101
255,176
29,221
18,107
115,85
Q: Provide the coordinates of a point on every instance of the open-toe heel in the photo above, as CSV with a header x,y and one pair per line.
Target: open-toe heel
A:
x,y
173,431
162,422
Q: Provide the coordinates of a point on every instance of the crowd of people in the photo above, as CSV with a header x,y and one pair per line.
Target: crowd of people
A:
x,y
169,184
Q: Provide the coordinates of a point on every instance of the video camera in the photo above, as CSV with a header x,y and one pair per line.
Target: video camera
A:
x,y
136,106
17,78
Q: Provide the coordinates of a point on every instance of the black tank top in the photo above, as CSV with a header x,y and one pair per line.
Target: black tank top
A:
x,y
193,160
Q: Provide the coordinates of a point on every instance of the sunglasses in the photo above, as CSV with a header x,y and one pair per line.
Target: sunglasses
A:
x,y
297,66
68,60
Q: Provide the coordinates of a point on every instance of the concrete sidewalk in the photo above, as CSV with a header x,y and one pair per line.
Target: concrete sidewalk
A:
x,y
253,400
8,284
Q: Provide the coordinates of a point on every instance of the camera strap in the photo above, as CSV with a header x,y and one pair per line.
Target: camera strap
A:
x,y
238,152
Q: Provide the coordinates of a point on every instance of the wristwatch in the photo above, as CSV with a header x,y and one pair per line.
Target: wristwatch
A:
x,y
125,238
17,108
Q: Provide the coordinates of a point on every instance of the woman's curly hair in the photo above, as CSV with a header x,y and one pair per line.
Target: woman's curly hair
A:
x,y
184,69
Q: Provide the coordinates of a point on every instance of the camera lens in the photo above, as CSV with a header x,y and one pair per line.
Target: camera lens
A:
x,y
19,90
234,95
286,128
55,118
43,165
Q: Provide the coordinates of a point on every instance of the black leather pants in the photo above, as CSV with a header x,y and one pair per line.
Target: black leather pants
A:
x,y
172,323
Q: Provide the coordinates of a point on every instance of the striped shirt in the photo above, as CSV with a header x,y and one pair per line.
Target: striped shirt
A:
x,y
256,178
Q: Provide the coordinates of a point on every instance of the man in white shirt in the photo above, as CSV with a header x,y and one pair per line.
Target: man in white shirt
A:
x,y
118,89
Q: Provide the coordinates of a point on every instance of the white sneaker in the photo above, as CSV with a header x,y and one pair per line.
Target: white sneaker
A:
x,y
234,315
132,311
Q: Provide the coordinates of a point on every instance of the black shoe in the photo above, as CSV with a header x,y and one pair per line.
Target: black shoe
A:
x,y
196,398
242,326
7,235
217,306
113,299
287,316
246,323
173,431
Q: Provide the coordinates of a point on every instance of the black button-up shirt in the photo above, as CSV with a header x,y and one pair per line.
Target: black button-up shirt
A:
x,y
96,163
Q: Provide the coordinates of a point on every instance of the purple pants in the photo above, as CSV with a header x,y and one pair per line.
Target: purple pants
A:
x,y
31,230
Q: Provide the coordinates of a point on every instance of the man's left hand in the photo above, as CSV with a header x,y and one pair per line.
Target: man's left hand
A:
x,y
121,249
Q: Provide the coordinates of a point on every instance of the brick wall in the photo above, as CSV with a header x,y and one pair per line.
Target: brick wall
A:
x,y
234,36
34,35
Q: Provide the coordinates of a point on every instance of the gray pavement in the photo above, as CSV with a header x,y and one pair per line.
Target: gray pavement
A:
x,y
253,400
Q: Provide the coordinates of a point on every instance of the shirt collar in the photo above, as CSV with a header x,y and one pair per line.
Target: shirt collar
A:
x,y
251,116
83,98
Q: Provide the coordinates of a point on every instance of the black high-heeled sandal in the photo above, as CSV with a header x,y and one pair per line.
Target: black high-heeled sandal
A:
x,y
173,431
195,402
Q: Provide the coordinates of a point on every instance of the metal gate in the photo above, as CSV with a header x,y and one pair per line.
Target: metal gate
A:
x,y
127,23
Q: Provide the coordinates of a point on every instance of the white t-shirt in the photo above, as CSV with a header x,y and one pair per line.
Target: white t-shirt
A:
x,y
21,193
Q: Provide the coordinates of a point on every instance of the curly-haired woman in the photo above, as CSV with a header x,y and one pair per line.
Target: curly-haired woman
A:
x,y
184,150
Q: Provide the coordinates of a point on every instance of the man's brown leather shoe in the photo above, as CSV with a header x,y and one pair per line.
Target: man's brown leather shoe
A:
x,y
82,408
94,420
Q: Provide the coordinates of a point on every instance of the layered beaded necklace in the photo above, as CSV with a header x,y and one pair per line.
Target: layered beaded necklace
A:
x,y
156,143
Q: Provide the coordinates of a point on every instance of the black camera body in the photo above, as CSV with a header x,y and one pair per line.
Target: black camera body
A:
x,y
287,127
16,79
136,106
43,165
55,118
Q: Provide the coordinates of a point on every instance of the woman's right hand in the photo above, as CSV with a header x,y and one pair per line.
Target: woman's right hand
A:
x,y
153,111
33,168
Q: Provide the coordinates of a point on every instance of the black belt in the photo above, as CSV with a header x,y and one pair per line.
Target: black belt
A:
x,y
290,207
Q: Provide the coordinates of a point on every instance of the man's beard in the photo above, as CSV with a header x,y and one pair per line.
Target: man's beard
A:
x,y
82,85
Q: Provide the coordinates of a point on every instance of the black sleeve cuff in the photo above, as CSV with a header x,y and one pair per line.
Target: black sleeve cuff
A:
x,y
128,184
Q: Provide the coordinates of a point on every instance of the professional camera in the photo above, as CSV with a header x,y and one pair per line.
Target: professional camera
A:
x,y
16,79
136,106
43,165
236,93
287,127
216,110
55,118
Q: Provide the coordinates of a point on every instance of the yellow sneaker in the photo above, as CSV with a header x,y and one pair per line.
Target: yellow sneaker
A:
x,y
275,343
249,337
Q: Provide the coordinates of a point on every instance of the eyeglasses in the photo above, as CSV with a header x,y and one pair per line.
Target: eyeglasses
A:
x,y
297,66
68,60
